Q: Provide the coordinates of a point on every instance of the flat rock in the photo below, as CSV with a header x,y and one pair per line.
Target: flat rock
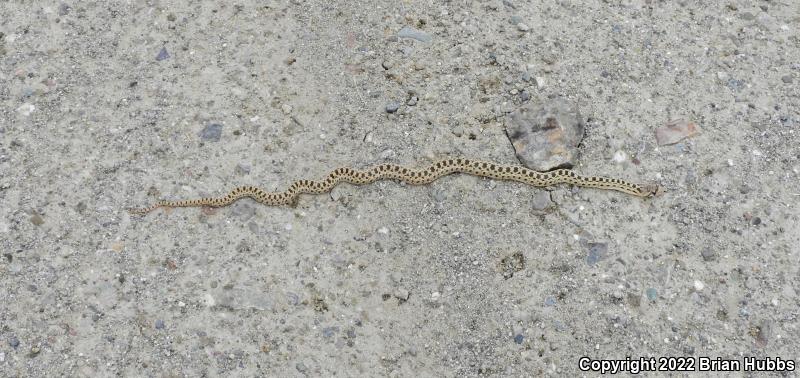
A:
x,y
419,35
675,131
546,136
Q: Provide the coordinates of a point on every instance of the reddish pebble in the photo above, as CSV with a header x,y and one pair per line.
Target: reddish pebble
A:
x,y
674,131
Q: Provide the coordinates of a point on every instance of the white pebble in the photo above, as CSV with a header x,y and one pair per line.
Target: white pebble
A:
x,y
620,156
286,108
435,296
288,227
26,109
383,230
699,285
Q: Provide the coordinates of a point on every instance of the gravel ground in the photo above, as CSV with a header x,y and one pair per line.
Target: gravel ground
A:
x,y
109,105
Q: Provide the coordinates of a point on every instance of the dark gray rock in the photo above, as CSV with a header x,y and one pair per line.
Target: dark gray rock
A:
x,y
546,136
212,132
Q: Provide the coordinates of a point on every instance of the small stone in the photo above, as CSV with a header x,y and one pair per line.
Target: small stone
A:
x,y
162,55
522,27
37,220
328,332
699,285
292,298
524,96
63,9
13,341
26,109
402,294
597,251
540,83
412,101
159,324
392,107
515,19
620,157
787,79
546,136
542,200
242,169
387,65
286,109
674,131
383,230
708,254
419,35
212,132
435,296
2,356
518,338
652,293
550,301
301,367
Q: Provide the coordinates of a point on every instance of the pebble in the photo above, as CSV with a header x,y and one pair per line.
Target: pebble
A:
x,y
301,367
674,131
286,109
652,293
2,356
392,107
708,254
524,96
13,341
162,55
546,135
550,301
597,251
242,169
383,230
620,157
212,132
37,220
328,332
292,298
159,324
26,109
522,27
787,79
542,200
435,296
402,294
63,9
515,19
699,285
518,338
419,35
412,101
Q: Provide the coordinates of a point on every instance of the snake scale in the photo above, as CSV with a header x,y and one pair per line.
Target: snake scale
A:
x,y
413,177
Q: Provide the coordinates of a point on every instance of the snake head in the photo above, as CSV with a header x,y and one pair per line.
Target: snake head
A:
x,y
651,190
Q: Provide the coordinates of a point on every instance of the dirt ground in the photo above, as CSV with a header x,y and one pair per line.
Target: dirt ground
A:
x,y
105,106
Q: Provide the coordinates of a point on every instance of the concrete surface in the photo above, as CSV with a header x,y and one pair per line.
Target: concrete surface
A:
x,y
109,105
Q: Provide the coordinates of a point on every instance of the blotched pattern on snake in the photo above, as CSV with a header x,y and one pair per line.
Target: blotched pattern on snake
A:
x,y
413,177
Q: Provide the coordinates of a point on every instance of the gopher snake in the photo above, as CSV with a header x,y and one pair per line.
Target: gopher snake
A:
x,y
413,177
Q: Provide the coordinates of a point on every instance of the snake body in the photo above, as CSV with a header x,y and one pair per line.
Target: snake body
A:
x,y
413,177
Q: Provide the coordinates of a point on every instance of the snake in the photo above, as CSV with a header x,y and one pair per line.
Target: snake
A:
x,y
413,177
